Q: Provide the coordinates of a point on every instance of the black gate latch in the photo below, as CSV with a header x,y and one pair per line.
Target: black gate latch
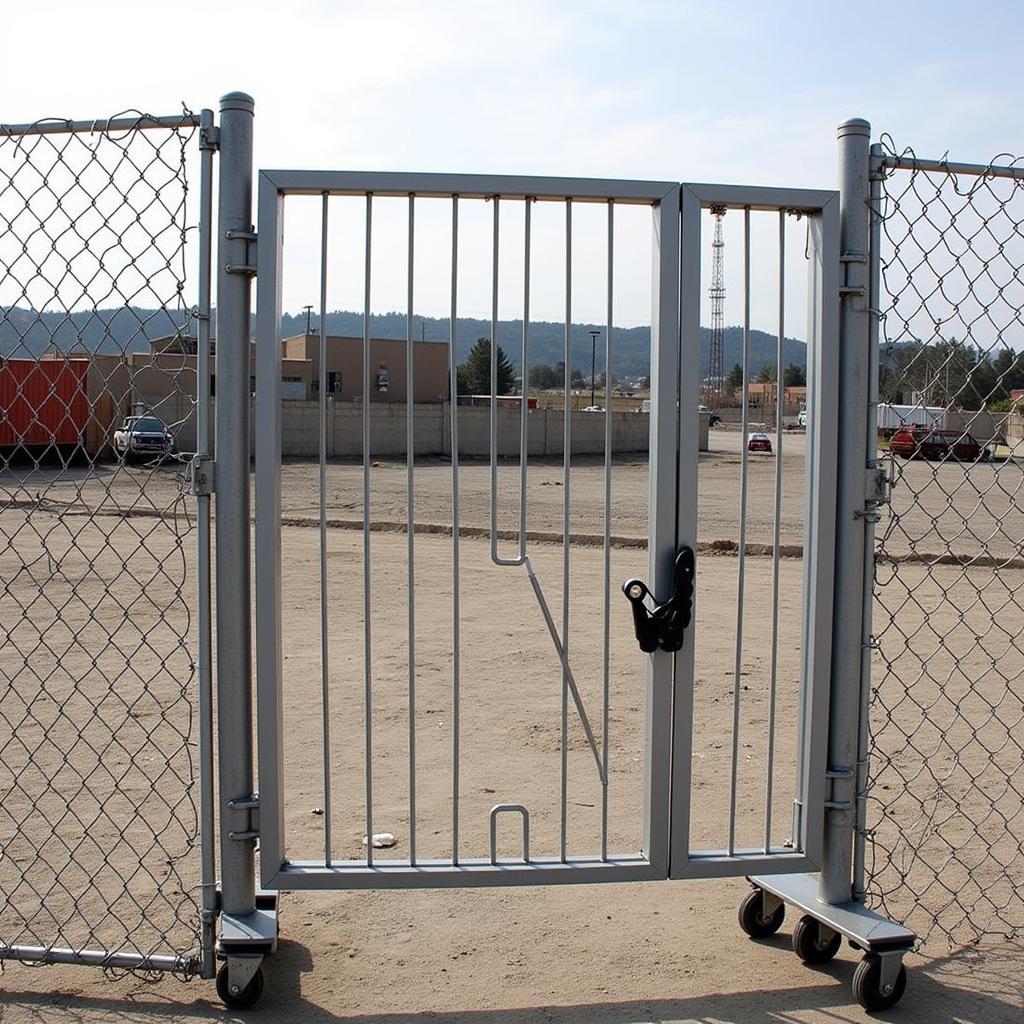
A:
x,y
663,626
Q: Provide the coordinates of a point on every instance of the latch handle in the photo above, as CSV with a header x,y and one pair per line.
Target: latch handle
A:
x,y
663,625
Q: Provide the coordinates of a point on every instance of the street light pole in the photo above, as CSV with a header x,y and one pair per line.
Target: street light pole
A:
x,y
593,367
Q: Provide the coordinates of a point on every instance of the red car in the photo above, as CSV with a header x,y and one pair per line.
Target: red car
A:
x,y
926,443
759,443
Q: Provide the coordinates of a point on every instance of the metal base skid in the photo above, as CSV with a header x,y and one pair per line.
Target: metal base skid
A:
x,y
859,925
879,980
245,939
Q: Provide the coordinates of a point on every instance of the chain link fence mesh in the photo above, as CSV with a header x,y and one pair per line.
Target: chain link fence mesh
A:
x,y
946,791
98,818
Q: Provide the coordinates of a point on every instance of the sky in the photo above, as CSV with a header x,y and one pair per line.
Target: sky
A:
x,y
745,91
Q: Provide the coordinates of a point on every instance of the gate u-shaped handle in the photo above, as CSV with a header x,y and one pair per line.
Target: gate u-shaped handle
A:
x,y
663,625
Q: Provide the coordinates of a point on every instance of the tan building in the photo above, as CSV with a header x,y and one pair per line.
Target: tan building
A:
x,y
387,367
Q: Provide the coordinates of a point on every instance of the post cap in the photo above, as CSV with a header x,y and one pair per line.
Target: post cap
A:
x,y
854,126
237,101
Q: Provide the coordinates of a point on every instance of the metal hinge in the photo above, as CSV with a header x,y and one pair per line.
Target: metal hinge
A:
x,y
201,475
209,138
848,258
250,803
250,239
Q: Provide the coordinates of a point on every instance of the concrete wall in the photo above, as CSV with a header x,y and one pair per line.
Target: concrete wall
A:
x,y
300,431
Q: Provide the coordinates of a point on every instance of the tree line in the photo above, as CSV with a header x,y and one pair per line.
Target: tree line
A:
x,y
950,373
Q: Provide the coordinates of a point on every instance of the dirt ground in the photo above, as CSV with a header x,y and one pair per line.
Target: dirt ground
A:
x,y
615,954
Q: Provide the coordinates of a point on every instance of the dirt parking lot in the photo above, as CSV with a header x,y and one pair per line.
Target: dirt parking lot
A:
x,y
617,954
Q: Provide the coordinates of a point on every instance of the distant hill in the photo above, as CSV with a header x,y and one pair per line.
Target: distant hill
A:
x,y
25,332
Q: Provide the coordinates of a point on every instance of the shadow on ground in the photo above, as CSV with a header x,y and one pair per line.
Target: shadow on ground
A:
x,y
966,987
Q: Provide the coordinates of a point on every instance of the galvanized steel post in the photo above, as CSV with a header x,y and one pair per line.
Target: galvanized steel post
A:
x,y
234,645
834,883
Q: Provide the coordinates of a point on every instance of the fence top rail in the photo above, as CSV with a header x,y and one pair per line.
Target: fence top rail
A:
x,y
59,126
882,161
760,197
467,186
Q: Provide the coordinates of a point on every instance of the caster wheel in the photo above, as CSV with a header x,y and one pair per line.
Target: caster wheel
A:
x,y
248,995
752,917
867,980
810,943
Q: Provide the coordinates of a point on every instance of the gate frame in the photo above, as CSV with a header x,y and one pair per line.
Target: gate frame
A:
x,y
821,207
277,871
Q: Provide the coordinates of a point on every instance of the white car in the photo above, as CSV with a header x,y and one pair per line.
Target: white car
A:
x,y
143,436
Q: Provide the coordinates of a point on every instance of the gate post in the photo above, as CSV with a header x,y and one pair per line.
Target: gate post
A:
x,y
834,883
244,934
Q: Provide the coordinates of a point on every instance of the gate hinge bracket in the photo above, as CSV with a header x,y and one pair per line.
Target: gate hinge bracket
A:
x,y
250,239
851,289
201,476
664,625
251,804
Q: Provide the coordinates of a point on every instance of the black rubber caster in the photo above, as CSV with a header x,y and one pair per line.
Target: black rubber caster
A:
x,y
810,943
867,982
752,917
244,999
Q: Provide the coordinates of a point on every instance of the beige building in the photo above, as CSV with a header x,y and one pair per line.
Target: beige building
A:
x,y
387,368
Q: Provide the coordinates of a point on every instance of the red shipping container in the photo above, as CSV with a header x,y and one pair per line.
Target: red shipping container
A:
x,y
43,402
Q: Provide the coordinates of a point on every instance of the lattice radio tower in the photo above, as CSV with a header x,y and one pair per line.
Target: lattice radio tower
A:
x,y
716,380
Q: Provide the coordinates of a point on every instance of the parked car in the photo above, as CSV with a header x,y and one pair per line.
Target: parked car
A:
x,y
759,443
143,436
927,443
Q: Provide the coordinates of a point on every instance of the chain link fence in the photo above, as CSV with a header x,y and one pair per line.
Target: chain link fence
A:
x,y
98,816
946,792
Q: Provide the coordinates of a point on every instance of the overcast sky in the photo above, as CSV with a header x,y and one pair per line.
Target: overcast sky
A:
x,y
741,92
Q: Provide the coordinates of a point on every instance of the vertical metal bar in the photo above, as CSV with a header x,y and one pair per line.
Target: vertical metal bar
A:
x,y
367,604
741,580
453,383
494,379
687,440
268,531
607,539
566,461
779,397
834,883
410,460
325,671
234,653
662,513
822,249
204,662
524,426
867,640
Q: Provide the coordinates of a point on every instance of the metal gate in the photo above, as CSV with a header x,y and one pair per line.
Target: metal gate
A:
x,y
665,847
